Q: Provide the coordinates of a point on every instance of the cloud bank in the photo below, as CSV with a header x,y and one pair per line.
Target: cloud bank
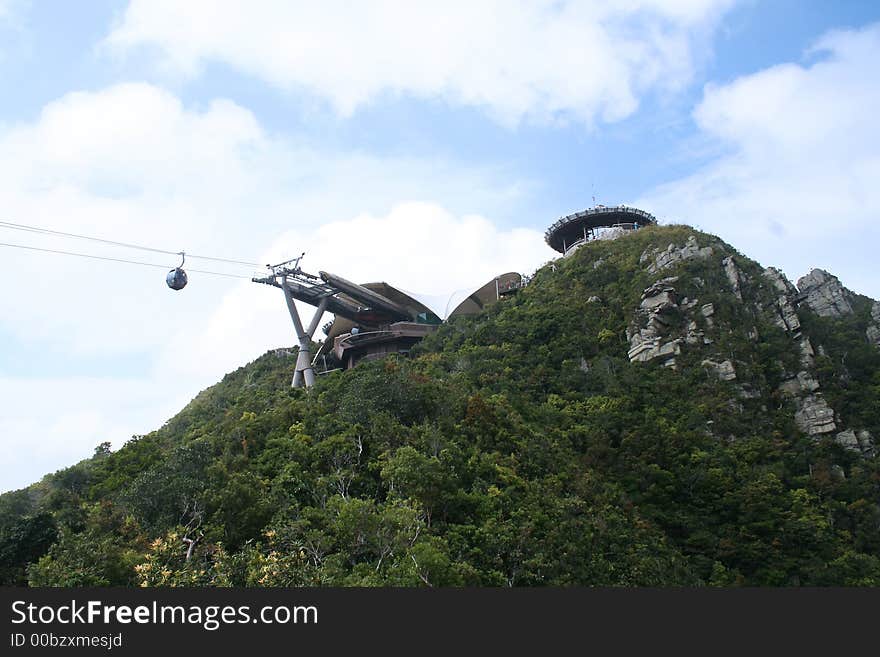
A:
x,y
514,59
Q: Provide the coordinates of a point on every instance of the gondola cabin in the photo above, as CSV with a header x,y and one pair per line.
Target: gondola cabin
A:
x,y
176,279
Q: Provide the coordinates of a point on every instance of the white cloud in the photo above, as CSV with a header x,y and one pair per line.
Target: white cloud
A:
x,y
127,163
50,423
131,163
796,182
545,60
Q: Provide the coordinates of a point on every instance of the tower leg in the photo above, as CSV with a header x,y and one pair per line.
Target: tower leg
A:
x,y
304,374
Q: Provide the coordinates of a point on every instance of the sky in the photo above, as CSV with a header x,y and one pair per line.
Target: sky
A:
x,y
421,143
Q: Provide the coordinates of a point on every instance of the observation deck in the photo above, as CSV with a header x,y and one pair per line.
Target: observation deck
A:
x,y
599,222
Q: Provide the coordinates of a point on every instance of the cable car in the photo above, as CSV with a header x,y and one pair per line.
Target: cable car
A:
x,y
176,278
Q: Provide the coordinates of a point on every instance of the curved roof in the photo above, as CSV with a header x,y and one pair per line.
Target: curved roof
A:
x,y
570,229
431,309
414,305
469,300
486,294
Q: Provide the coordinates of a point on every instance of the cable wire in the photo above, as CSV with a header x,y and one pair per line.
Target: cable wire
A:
x,y
130,262
49,231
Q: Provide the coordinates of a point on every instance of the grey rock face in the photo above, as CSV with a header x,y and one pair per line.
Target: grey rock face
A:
x,y
645,350
673,254
873,331
646,342
801,384
687,304
733,277
780,282
723,370
807,353
861,442
746,391
658,297
824,294
785,313
814,416
848,440
694,334
866,442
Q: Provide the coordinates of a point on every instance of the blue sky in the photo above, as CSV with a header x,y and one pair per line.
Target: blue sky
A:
x,y
256,130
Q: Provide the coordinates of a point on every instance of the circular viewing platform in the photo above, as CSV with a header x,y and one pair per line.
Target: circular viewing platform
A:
x,y
594,223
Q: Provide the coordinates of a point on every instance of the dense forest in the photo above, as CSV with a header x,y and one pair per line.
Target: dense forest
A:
x,y
654,410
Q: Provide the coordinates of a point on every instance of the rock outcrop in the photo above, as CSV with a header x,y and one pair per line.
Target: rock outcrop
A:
x,y
661,259
733,276
660,296
801,384
861,442
785,312
664,324
645,350
814,416
707,310
653,321
873,331
824,294
723,370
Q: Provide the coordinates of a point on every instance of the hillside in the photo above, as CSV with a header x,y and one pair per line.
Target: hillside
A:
x,y
654,410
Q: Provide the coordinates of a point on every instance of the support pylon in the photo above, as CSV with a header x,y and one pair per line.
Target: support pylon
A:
x,y
304,374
